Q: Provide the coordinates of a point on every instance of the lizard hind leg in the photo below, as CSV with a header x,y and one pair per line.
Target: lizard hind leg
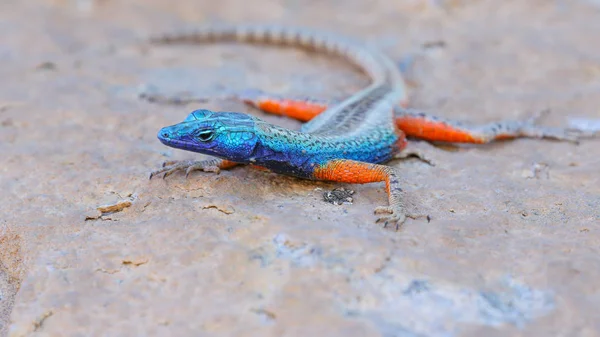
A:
x,y
424,126
356,172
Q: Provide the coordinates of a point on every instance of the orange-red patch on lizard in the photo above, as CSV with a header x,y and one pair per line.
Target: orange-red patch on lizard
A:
x,y
434,130
348,171
302,111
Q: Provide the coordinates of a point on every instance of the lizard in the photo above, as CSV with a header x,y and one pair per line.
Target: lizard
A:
x,y
347,141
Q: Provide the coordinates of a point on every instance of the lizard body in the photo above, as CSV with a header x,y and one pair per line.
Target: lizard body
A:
x,y
345,141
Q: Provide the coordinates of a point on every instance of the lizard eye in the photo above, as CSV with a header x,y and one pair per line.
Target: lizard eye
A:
x,y
205,135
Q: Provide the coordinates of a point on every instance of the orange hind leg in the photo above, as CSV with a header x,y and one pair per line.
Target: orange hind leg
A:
x,y
415,123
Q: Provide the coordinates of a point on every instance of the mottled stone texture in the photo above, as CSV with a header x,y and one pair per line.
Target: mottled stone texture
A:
x,y
512,247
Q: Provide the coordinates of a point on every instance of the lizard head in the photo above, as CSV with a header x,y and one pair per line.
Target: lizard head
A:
x,y
227,135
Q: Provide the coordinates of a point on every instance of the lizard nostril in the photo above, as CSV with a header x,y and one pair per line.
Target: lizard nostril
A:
x,y
165,134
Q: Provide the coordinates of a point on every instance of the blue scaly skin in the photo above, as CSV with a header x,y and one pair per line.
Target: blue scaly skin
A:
x,y
245,139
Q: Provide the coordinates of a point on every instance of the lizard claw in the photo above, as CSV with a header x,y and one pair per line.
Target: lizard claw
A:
x,y
169,163
167,170
394,219
397,216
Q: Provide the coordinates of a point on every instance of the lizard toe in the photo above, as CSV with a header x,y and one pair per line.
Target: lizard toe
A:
x,y
395,216
169,163
159,171
383,209
395,219
200,166
170,167
171,171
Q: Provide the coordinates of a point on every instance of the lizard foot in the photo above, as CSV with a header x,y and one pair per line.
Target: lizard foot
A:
x,y
532,129
572,136
397,216
170,167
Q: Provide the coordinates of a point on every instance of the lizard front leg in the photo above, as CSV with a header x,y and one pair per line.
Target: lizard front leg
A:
x,y
356,172
208,165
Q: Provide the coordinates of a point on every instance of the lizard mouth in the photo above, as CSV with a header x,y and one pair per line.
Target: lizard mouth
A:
x,y
176,143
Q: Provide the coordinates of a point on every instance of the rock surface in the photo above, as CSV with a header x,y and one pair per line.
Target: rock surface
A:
x,y
512,247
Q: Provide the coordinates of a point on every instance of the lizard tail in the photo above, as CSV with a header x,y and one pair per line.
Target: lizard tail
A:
x,y
366,59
